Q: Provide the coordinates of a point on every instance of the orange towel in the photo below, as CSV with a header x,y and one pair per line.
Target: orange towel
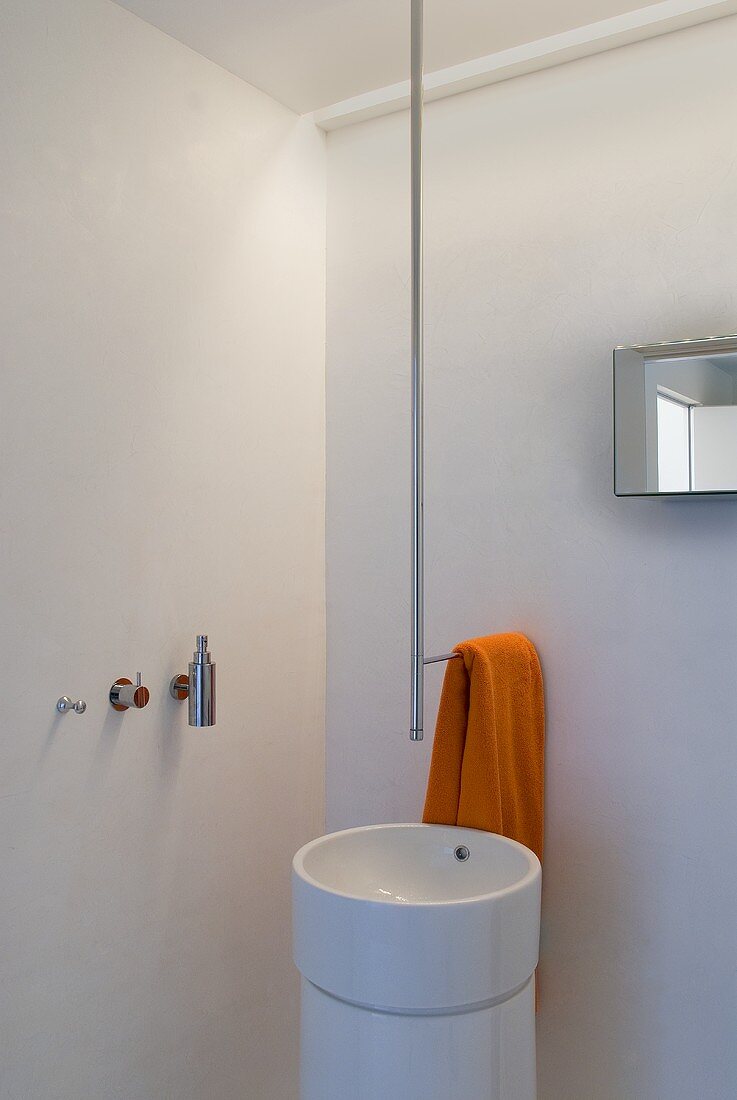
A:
x,y
487,767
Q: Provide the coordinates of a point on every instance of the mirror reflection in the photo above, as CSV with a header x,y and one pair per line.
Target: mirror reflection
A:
x,y
676,418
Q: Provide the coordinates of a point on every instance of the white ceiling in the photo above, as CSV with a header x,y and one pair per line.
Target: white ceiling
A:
x,y
311,53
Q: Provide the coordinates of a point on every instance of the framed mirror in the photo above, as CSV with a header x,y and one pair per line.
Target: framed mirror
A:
x,y
675,418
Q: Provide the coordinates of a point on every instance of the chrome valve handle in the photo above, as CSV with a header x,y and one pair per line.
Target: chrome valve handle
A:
x,y
124,694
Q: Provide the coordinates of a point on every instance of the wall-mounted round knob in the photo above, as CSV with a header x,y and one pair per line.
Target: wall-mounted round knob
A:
x,y
124,694
179,687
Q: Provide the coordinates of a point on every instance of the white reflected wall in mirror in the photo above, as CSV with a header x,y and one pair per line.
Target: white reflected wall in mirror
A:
x,y
674,445
675,418
715,448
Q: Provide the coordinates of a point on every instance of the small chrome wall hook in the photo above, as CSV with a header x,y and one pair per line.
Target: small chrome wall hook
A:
x,y
125,695
65,704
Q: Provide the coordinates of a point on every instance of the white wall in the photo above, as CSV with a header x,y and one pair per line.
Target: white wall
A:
x,y
161,441
567,212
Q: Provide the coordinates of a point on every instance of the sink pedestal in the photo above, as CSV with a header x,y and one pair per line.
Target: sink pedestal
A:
x,y
417,966
350,1052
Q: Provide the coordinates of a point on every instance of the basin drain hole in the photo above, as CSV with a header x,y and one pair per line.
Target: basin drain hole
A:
x,y
462,853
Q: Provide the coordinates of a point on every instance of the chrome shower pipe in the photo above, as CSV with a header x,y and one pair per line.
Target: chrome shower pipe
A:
x,y
419,660
418,357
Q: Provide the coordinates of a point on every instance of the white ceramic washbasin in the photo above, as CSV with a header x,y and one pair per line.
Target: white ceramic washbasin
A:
x,y
388,916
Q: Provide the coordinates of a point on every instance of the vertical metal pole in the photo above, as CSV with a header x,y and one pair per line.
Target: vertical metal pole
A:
x,y
418,471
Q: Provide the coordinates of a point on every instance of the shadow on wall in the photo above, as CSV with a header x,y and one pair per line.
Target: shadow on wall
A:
x,y
590,867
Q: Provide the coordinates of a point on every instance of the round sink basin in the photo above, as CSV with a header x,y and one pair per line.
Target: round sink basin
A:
x,y
416,918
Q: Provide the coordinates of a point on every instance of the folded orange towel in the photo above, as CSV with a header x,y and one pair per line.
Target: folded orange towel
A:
x,y
487,767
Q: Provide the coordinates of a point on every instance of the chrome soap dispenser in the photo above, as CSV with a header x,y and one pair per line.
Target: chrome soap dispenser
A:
x,y
198,686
